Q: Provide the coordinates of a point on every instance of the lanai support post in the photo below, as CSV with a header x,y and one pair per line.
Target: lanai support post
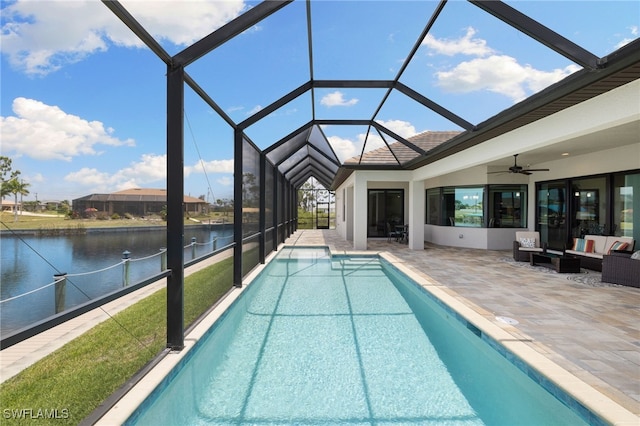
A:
x,y
274,207
237,207
293,202
175,200
286,210
282,228
262,220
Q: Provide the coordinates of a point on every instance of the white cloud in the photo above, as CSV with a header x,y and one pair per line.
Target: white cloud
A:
x,y
347,148
399,127
634,31
186,23
149,170
46,132
466,45
214,166
254,110
623,43
35,178
33,41
500,74
489,70
90,180
344,148
337,99
225,181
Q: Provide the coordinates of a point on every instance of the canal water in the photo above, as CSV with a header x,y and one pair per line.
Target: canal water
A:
x,y
92,262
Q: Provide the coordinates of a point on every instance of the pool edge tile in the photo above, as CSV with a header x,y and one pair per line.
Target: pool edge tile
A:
x,y
525,348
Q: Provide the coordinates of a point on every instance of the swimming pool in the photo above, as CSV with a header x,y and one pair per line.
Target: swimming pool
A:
x,y
317,339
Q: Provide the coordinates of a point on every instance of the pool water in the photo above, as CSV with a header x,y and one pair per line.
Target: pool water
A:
x,y
321,340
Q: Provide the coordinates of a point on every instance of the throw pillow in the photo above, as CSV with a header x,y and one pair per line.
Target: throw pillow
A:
x,y
618,245
636,255
589,246
586,246
527,242
578,244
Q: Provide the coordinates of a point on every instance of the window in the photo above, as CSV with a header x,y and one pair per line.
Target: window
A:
x,y
589,212
433,206
624,213
507,206
462,206
468,206
465,206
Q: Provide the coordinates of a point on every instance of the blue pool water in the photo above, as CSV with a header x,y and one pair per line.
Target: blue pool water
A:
x,y
321,340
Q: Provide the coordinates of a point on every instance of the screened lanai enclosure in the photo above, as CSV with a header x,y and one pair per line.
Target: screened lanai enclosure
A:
x,y
385,79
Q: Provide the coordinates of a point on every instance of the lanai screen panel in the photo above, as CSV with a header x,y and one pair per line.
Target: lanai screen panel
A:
x,y
269,198
476,65
250,188
283,149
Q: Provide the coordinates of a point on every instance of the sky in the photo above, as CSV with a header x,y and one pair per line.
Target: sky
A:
x,y
83,101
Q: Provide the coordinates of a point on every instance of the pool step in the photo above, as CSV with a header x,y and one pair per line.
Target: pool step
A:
x,y
356,263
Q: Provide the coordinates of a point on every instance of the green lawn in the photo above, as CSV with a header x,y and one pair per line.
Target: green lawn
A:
x,y
52,222
77,378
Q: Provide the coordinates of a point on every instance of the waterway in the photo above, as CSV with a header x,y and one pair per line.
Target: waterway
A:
x,y
29,264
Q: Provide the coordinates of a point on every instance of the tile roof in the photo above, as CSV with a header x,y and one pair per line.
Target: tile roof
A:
x,y
397,152
138,194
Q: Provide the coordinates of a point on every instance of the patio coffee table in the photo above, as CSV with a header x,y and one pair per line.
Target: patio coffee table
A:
x,y
562,264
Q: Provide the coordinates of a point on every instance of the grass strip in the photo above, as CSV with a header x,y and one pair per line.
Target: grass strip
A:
x,y
68,384
58,223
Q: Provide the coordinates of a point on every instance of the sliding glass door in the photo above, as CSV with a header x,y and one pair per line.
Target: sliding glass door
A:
x,y
552,214
385,210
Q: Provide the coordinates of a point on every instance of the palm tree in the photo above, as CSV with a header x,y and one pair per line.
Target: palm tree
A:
x,y
16,186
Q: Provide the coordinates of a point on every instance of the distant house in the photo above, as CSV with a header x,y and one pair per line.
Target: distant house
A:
x,y
8,205
135,201
49,205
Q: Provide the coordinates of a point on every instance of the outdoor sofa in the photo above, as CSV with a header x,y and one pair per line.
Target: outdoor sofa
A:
x,y
621,268
592,248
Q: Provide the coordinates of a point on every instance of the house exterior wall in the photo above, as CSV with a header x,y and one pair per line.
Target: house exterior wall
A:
x,y
600,117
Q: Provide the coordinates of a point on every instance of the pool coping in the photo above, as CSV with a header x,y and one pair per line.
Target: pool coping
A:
x,y
512,339
522,346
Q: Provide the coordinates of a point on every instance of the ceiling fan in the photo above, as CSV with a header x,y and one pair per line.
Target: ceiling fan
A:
x,y
519,169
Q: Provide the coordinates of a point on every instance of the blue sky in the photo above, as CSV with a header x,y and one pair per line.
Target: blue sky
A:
x,y
83,101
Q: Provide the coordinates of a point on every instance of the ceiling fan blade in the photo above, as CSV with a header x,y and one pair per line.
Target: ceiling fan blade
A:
x,y
537,170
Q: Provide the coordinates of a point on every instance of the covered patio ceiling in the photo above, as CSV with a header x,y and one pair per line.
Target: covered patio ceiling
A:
x,y
306,151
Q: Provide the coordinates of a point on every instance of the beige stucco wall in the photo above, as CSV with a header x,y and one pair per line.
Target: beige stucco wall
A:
x,y
597,119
